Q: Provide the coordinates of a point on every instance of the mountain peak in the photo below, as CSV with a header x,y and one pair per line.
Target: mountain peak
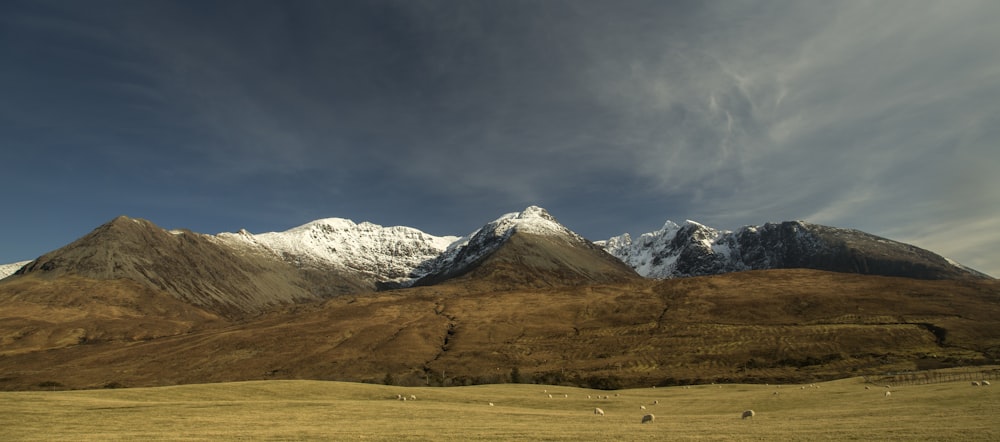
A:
x,y
533,219
535,212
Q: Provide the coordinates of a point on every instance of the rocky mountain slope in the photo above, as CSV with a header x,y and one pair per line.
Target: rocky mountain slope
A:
x,y
693,249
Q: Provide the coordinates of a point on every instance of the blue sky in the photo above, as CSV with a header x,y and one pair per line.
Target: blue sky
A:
x,y
443,115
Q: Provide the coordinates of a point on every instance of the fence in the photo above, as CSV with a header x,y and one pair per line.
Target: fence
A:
x,y
935,376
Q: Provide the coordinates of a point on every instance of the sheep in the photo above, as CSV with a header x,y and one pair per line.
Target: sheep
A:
x,y
642,407
399,397
599,412
867,387
550,396
413,397
748,414
888,393
975,383
647,418
656,402
986,383
565,396
491,404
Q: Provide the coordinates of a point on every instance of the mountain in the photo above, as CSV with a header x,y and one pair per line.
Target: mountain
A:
x,y
693,249
526,249
133,304
195,268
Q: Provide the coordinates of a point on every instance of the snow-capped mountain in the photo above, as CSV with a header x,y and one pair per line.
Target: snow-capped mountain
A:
x,y
384,254
693,249
474,246
9,269
471,250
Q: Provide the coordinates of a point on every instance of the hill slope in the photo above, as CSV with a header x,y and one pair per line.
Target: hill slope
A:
x,y
774,326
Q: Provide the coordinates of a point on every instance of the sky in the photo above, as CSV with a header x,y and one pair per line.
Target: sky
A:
x,y
615,116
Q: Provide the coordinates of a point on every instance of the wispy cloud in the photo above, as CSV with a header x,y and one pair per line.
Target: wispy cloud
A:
x,y
869,115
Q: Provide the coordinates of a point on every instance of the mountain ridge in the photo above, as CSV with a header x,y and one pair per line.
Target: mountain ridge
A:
x,y
133,304
370,256
693,249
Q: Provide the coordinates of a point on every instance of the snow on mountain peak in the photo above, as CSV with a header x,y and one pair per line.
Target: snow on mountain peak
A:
x,y
533,219
387,254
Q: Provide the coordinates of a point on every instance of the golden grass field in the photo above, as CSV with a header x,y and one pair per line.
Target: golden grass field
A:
x,y
318,410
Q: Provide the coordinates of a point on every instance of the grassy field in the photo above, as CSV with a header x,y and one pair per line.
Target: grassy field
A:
x,y
314,410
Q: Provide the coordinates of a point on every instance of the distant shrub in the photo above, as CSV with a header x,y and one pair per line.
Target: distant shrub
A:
x,y
114,384
50,384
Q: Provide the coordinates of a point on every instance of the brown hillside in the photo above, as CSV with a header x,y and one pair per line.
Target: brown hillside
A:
x,y
539,261
775,326
41,314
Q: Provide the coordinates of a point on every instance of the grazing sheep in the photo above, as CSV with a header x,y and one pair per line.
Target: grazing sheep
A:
x,y
413,397
656,402
491,404
986,383
975,383
550,396
588,396
747,414
399,397
647,418
565,395
867,387
888,393
642,407
599,412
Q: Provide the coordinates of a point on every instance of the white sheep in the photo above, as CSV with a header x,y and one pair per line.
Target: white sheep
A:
x,y
642,407
550,396
413,397
986,383
648,418
975,383
888,393
748,414
491,404
599,412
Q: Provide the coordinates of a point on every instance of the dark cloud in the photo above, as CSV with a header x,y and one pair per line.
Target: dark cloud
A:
x,y
218,115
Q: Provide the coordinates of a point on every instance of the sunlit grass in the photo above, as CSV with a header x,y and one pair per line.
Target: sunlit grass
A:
x,y
293,410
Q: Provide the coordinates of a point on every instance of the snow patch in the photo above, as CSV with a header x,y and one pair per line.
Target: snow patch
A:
x,y
9,269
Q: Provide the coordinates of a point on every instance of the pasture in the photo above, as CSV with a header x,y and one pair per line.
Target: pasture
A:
x,y
317,410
